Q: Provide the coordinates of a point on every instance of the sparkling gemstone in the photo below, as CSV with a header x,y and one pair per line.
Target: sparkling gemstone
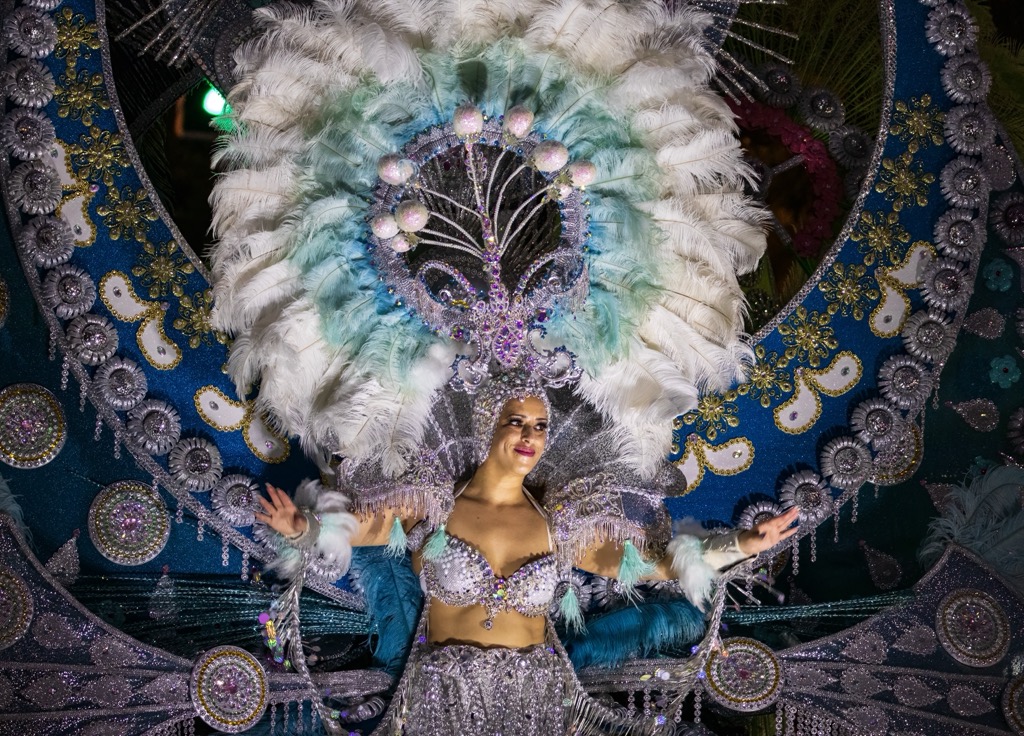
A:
x,y
155,423
961,233
953,27
197,460
779,81
906,378
1014,215
122,382
931,334
847,460
968,76
947,282
69,288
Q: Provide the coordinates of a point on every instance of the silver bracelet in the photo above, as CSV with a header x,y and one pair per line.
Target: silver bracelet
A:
x,y
308,536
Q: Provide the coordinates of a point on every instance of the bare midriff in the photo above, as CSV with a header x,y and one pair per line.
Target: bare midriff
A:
x,y
465,625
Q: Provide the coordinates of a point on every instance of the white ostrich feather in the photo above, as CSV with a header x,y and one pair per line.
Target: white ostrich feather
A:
x,y
348,378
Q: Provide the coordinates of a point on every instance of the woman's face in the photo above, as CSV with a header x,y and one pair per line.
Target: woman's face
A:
x,y
519,436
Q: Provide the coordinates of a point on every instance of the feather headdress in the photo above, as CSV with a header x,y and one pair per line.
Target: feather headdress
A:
x,y
348,361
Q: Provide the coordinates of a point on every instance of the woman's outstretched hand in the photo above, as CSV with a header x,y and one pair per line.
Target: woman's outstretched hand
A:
x,y
766,534
281,513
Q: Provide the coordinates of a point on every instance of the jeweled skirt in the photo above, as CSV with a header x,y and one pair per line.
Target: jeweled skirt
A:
x,y
464,689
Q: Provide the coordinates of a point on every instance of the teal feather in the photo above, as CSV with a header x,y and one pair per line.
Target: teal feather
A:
x,y
572,614
644,630
632,568
436,544
397,540
393,602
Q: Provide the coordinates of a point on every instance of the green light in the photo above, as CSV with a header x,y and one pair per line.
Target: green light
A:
x,y
214,102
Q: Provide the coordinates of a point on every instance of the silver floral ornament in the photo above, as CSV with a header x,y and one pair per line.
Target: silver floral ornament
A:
x,y
155,426
234,500
229,689
121,383
846,463
69,291
876,422
928,336
969,129
92,338
1007,218
44,5
951,29
932,3
999,166
821,109
27,83
966,79
30,32
35,188
27,133
196,463
783,87
1015,433
810,492
47,241
757,512
964,182
958,234
905,382
945,284
850,147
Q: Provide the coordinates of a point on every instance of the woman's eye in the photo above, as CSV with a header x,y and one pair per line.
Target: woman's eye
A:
x,y
542,428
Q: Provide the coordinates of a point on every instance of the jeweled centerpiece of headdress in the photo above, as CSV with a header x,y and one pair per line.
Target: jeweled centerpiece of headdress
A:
x,y
480,226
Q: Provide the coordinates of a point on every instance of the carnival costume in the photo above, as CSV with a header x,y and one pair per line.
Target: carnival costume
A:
x,y
495,198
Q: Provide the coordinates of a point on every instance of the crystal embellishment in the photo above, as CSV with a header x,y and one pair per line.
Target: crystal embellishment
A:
x,y
964,182
969,129
972,627
876,422
35,188
128,523
15,607
958,234
951,29
47,241
121,383
154,426
196,464
966,79
905,382
846,463
27,133
229,689
92,338
1007,218
808,490
928,336
234,500
743,675
32,426
30,33
27,83
69,291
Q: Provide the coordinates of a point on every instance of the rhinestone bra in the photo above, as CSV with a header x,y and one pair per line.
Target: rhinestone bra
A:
x,y
462,576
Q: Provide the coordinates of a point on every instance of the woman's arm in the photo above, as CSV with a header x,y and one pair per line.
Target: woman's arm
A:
x,y
285,518
695,561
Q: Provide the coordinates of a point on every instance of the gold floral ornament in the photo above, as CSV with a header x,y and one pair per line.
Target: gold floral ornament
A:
x,y
904,182
880,236
917,123
163,269
714,412
849,290
808,336
74,32
194,320
229,415
81,97
729,458
768,379
99,155
127,213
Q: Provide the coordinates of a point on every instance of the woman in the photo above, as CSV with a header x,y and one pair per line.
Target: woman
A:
x,y
486,661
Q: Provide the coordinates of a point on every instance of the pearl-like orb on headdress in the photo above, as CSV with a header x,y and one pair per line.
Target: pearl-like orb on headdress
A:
x,y
550,156
401,242
384,226
582,173
518,121
411,215
468,121
394,169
